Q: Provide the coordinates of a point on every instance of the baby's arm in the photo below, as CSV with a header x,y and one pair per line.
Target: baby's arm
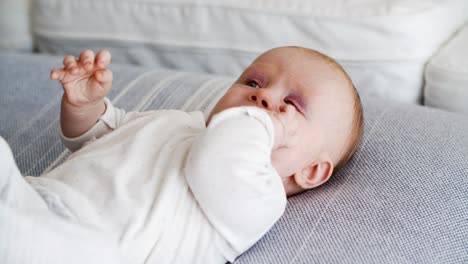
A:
x,y
85,82
230,173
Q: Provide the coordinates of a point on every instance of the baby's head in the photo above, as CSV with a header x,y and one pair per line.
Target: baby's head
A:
x,y
328,111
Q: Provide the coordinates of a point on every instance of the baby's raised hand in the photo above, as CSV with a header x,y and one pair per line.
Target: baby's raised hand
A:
x,y
285,125
85,81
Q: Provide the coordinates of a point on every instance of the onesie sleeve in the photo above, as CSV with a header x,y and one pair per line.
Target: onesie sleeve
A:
x,y
112,119
230,174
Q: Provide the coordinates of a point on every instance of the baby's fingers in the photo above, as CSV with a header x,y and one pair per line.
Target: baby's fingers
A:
x,y
57,74
103,59
100,85
103,76
70,64
86,59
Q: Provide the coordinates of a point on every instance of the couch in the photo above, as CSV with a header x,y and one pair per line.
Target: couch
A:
x,y
403,198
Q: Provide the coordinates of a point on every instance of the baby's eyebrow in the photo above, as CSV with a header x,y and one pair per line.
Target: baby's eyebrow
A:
x,y
261,69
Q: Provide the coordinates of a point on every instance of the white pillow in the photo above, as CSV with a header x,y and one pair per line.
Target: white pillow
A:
x,y
383,44
447,76
14,25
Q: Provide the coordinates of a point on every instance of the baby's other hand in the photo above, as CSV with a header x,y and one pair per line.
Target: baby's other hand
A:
x,y
285,126
85,81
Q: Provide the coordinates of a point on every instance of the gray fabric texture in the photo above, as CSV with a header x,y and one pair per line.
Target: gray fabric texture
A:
x,y
403,198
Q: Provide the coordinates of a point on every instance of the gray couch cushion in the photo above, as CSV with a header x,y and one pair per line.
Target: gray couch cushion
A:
x,y
403,198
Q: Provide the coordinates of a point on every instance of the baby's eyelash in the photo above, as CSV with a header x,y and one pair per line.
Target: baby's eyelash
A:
x,y
290,102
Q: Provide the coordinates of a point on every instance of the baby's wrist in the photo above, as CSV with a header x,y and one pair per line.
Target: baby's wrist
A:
x,y
82,108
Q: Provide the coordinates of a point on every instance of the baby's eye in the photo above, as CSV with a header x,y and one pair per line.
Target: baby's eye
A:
x,y
253,84
290,102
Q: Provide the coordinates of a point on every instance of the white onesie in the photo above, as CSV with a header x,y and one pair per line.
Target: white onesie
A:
x,y
168,189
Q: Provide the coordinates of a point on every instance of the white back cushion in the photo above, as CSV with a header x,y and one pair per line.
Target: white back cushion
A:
x,y
447,76
14,25
383,44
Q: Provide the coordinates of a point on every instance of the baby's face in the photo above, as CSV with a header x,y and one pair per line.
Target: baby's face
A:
x,y
291,76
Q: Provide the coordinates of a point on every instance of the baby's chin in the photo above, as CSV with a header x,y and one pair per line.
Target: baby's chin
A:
x,y
284,161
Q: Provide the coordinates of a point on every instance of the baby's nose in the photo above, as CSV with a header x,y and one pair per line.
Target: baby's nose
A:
x,y
261,101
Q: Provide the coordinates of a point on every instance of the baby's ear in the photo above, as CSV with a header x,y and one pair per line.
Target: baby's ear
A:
x,y
314,175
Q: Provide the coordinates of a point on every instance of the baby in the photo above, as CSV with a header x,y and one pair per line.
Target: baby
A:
x,y
168,186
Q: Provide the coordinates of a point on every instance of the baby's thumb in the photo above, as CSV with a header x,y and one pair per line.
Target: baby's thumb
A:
x,y
104,77
99,85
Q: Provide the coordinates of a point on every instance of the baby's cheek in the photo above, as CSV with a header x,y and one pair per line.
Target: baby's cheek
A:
x,y
283,162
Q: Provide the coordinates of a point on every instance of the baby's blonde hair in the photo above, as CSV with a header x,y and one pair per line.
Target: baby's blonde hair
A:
x,y
357,128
